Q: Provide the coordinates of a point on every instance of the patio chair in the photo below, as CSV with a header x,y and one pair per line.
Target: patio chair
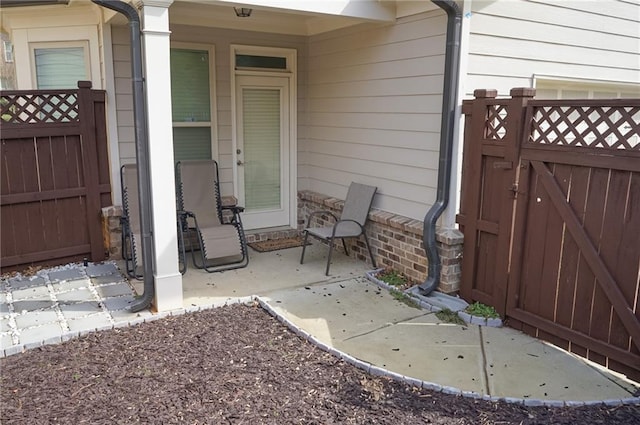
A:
x,y
130,220
350,225
220,237
131,228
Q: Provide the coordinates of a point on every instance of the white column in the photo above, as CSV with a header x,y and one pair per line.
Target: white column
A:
x,y
168,280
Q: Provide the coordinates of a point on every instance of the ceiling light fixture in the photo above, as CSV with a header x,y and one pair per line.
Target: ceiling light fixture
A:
x,y
242,12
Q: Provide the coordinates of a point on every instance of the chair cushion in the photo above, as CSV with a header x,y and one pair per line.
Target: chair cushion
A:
x,y
221,241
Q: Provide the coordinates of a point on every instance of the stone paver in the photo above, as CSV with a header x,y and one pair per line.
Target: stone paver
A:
x,y
4,325
68,274
90,323
94,270
86,308
25,282
33,292
78,295
36,318
5,340
40,333
118,303
32,305
71,285
106,291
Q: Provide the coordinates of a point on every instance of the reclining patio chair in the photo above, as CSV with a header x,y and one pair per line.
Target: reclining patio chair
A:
x,y
220,239
131,228
350,225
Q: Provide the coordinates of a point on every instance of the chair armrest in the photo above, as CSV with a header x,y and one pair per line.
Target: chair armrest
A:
x,y
315,213
233,208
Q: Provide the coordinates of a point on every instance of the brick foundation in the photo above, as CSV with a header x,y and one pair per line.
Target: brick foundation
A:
x,y
396,241
112,231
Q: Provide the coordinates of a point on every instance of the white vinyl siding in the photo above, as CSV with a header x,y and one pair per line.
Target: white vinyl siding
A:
x,y
375,93
511,41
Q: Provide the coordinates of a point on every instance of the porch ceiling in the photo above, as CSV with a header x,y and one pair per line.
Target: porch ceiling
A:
x,y
220,14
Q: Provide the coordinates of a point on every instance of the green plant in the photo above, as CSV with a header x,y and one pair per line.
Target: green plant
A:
x,y
482,310
448,316
403,298
392,277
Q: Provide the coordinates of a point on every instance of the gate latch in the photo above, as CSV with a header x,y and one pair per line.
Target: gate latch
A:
x,y
514,189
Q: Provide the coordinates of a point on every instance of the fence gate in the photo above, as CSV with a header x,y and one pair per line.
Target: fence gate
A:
x,y
572,229
55,175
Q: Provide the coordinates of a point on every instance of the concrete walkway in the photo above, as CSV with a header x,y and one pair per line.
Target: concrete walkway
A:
x,y
345,314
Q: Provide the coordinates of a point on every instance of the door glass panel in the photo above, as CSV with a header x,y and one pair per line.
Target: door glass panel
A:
x,y
262,167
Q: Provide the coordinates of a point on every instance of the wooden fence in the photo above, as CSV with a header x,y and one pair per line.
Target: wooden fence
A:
x,y
551,216
55,176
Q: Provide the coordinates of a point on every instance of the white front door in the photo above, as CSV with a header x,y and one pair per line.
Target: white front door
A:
x,y
262,150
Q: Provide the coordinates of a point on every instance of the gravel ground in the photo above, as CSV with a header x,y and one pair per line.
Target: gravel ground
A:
x,y
234,365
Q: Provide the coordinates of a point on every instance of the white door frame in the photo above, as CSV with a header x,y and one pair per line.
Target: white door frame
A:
x,y
291,74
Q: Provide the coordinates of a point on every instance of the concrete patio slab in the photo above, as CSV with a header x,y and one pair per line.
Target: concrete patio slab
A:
x,y
525,367
425,349
267,272
340,310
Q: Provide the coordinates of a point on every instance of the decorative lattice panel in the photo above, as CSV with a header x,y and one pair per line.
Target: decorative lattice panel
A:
x,y
58,107
495,126
609,127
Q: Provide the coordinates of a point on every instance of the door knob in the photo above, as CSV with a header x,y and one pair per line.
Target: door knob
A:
x,y
240,162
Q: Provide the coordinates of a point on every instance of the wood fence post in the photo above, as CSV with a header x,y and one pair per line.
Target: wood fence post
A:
x,y
90,169
474,132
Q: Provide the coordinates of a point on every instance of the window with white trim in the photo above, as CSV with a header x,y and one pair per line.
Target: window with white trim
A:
x,y
60,65
191,103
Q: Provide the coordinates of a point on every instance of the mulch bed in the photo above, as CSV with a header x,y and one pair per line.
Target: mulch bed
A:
x,y
276,244
234,365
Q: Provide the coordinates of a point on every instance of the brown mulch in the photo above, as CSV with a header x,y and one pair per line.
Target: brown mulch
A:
x,y
276,244
234,365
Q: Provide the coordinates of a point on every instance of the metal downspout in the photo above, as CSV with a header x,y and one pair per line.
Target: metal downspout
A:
x,y
449,104
142,148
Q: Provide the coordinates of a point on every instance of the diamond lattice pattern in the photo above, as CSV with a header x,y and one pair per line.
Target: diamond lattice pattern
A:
x,y
609,127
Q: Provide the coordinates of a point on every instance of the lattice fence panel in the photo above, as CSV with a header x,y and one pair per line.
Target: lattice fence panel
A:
x,y
607,127
41,107
496,123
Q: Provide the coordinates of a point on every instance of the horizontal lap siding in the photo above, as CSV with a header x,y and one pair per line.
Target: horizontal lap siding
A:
x,y
510,41
374,100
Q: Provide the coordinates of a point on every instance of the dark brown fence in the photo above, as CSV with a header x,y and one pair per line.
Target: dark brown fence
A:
x,y
551,217
55,175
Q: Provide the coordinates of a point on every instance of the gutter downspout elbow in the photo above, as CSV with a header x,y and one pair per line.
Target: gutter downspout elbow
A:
x,y
447,126
142,148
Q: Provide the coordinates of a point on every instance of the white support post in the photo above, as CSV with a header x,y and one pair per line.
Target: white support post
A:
x,y
168,280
